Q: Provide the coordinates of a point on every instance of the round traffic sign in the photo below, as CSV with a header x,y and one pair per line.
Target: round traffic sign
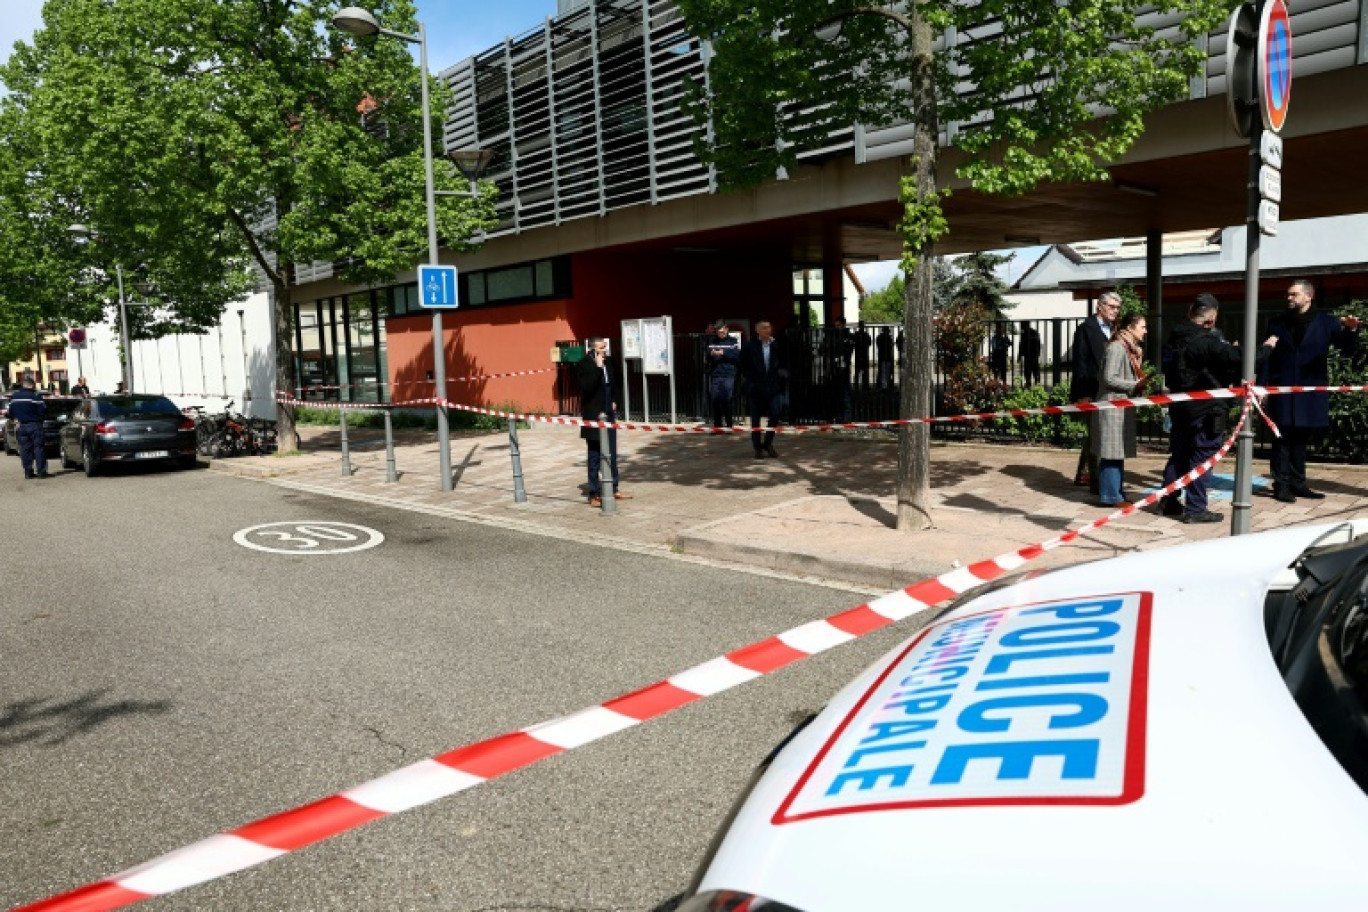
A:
x,y
1275,64
76,336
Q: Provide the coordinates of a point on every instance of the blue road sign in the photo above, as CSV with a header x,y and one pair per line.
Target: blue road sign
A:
x,y
437,286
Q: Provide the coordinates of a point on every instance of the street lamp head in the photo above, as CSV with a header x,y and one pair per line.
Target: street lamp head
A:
x,y
471,162
356,21
829,31
79,230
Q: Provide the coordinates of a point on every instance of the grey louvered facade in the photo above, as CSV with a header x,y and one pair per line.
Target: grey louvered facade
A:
x,y
584,112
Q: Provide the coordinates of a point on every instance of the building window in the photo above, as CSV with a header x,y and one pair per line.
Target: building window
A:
x,y
340,347
539,280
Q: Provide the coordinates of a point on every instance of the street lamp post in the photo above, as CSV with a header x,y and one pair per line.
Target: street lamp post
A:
x,y
356,21
79,230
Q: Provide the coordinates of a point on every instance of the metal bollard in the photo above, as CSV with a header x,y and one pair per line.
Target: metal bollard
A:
x,y
346,453
605,471
391,476
519,492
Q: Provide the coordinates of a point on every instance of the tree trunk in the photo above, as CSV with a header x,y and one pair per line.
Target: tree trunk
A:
x,y
914,441
283,313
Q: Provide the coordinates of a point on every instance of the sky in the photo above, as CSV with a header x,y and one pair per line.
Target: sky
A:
x,y
458,29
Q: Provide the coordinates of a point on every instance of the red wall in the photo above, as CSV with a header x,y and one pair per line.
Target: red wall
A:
x,y
486,340
693,288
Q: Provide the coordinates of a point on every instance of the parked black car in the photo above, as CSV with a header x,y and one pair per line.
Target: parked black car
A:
x,y
59,411
131,428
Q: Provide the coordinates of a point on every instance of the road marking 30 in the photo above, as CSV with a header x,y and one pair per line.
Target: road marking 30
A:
x,y
308,537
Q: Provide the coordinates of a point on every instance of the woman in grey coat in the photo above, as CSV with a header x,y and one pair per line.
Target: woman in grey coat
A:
x,y
1122,378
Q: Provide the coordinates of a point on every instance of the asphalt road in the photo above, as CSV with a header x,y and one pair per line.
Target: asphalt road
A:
x,y
160,683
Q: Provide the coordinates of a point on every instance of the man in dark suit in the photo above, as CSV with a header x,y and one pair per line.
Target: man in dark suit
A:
x,y
1089,348
596,400
762,364
1301,358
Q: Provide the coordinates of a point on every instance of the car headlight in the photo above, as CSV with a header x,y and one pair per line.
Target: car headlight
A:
x,y
732,901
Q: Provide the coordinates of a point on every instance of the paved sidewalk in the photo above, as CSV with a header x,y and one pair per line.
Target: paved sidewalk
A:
x,y
823,509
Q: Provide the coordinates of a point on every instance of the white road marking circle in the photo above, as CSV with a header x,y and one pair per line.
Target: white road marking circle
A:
x,y
308,537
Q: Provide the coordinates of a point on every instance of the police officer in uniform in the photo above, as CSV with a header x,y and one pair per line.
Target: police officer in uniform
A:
x,y
28,409
723,356
1197,357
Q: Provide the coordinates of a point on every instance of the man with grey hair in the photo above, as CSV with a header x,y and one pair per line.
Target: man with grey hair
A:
x,y
1089,348
1301,358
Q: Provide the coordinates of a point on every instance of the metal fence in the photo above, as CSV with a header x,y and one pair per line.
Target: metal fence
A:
x,y
857,376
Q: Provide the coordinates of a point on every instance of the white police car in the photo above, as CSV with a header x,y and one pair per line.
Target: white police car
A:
x,y
1178,729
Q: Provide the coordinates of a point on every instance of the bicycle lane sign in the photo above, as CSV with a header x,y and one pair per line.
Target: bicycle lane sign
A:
x,y
308,537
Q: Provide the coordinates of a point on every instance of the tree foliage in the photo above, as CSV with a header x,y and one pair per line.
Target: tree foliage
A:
x,y
204,137
1028,80
886,304
979,284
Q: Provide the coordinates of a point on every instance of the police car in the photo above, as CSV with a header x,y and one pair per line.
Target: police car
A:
x,y
1177,729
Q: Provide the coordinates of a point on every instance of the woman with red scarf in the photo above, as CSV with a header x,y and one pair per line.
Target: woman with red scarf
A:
x,y
1122,377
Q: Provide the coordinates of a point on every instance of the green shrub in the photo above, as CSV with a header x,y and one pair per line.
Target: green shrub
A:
x,y
1063,430
327,417
1349,411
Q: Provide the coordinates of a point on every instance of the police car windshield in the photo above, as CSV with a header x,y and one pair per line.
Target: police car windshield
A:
x,y
126,406
1318,633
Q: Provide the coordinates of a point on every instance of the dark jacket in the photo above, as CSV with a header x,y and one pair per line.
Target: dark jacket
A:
x,y
1208,362
27,407
759,380
726,364
1307,364
596,393
1089,348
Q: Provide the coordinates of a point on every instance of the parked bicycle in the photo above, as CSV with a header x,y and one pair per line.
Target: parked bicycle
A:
x,y
228,433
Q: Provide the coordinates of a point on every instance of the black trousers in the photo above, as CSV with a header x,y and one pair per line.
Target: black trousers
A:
x,y
770,405
1289,457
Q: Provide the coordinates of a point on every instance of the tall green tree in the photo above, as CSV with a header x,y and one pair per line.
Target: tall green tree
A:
x,y
886,304
205,137
980,285
1029,76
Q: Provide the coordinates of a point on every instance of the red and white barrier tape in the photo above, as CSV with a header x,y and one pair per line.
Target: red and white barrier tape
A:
x,y
471,379
1159,399
1081,407
465,767
356,406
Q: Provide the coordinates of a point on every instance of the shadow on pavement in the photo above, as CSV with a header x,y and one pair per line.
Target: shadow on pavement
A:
x,y
50,722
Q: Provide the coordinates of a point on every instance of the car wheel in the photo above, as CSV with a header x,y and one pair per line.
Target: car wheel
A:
x,y
62,456
88,461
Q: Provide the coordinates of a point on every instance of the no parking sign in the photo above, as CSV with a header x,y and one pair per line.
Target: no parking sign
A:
x,y
1275,64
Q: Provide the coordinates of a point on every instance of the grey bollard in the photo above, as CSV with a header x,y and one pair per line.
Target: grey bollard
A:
x,y
391,476
605,471
519,492
346,453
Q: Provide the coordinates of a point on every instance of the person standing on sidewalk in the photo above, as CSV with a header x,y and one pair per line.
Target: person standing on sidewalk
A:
x,y
29,410
1197,357
596,399
762,364
80,390
1123,376
1089,348
1301,358
724,356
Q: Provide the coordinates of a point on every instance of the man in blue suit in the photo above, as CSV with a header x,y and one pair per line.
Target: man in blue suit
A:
x,y
1301,358
762,364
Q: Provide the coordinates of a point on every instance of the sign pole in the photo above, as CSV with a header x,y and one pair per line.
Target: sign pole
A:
x,y
1242,502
